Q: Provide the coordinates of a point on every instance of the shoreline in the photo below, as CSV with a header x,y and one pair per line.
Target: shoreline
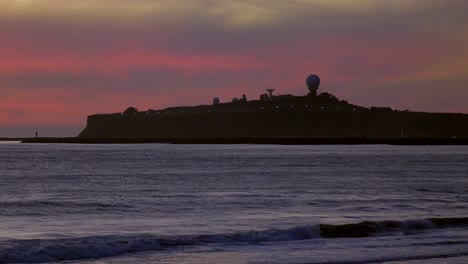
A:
x,y
255,141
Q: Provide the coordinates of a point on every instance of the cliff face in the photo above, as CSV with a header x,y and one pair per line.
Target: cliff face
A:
x,y
279,124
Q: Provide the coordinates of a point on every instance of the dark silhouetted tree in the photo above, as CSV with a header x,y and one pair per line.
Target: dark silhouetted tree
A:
x,y
329,97
131,110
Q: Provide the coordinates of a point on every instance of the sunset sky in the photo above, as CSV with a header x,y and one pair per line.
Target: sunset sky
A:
x,y
62,60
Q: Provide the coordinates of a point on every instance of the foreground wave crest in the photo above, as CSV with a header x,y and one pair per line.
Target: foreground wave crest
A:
x,y
47,250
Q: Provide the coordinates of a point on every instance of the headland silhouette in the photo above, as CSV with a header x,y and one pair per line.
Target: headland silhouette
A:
x,y
315,118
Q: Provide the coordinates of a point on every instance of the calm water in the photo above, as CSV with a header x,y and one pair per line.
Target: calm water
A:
x,y
229,204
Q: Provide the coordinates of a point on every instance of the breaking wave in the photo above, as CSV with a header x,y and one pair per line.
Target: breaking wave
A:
x,y
48,250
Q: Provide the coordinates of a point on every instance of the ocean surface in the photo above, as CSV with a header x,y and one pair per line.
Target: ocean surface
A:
x,y
159,203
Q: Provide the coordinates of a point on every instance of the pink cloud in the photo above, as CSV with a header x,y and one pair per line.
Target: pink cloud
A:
x,y
58,74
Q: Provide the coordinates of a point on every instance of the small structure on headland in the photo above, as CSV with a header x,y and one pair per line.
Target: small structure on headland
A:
x,y
264,98
270,93
313,83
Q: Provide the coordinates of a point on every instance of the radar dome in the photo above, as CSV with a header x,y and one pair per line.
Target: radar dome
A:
x,y
313,82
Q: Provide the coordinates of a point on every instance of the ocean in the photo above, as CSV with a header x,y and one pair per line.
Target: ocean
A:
x,y
161,203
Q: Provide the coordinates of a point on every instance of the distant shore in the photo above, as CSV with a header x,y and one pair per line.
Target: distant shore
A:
x,y
260,141
12,139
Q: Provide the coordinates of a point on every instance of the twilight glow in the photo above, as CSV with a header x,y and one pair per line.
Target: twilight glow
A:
x,y
63,60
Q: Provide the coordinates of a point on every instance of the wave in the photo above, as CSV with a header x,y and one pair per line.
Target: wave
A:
x,y
42,207
35,203
49,250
